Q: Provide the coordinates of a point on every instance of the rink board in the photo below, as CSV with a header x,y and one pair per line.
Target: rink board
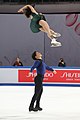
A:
x,y
21,76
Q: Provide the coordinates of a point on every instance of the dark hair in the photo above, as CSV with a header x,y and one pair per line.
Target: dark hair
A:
x,y
61,59
27,12
33,55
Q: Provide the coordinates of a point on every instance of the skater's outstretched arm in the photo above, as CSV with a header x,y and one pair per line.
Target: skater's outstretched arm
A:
x,y
21,10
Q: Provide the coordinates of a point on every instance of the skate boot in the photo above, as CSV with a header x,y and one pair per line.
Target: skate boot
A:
x,y
56,34
54,43
33,109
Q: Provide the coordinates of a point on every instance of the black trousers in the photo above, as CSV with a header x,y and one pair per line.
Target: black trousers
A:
x,y
38,91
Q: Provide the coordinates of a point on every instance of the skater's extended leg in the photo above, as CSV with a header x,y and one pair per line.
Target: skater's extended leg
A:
x,y
45,27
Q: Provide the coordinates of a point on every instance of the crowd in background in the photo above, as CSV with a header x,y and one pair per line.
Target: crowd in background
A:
x,y
18,62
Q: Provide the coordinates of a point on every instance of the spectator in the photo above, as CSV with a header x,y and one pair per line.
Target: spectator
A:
x,y
1,64
18,62
61,63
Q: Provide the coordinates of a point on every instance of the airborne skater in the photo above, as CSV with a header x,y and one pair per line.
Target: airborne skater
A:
x,y
39,23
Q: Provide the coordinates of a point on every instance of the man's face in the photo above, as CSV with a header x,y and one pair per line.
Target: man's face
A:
x,y
38,55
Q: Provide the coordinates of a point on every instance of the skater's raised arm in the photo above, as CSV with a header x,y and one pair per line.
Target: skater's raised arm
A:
x,y
21,10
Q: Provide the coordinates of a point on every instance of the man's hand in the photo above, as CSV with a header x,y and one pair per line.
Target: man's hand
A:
x,y
54,72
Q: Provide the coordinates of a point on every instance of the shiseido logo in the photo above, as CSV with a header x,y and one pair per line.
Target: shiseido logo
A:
x,y
45,75
70,75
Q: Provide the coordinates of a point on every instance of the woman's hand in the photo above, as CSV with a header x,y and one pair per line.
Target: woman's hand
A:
x,y
20,11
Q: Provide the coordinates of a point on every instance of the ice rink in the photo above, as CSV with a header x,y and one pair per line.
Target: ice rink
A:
x,y
58,103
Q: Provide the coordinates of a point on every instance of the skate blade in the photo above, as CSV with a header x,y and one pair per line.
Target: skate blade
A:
x,y
56,45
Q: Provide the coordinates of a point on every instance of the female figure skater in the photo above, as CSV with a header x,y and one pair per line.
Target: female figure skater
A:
x,y
38,23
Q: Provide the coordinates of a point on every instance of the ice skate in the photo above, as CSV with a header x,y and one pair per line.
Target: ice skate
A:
x,y
39,108
56,34
33,109
54,43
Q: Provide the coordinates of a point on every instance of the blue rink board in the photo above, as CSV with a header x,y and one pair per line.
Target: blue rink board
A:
x,y
30,67
48,85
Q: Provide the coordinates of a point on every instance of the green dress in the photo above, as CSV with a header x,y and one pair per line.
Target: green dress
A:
x,y
34,25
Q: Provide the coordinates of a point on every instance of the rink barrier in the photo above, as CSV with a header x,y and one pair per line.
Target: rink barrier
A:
x,y
21,76
47,85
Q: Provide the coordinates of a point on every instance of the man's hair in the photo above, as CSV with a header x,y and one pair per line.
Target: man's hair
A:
x,y
27,12
33,55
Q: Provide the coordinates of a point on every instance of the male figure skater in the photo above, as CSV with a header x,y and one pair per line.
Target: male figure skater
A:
x,y
39,23
41,68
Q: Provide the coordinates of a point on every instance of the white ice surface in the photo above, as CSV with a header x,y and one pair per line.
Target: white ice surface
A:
x,y
58,103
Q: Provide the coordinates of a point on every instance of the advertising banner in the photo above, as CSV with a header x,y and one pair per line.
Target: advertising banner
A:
x,y
63,75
